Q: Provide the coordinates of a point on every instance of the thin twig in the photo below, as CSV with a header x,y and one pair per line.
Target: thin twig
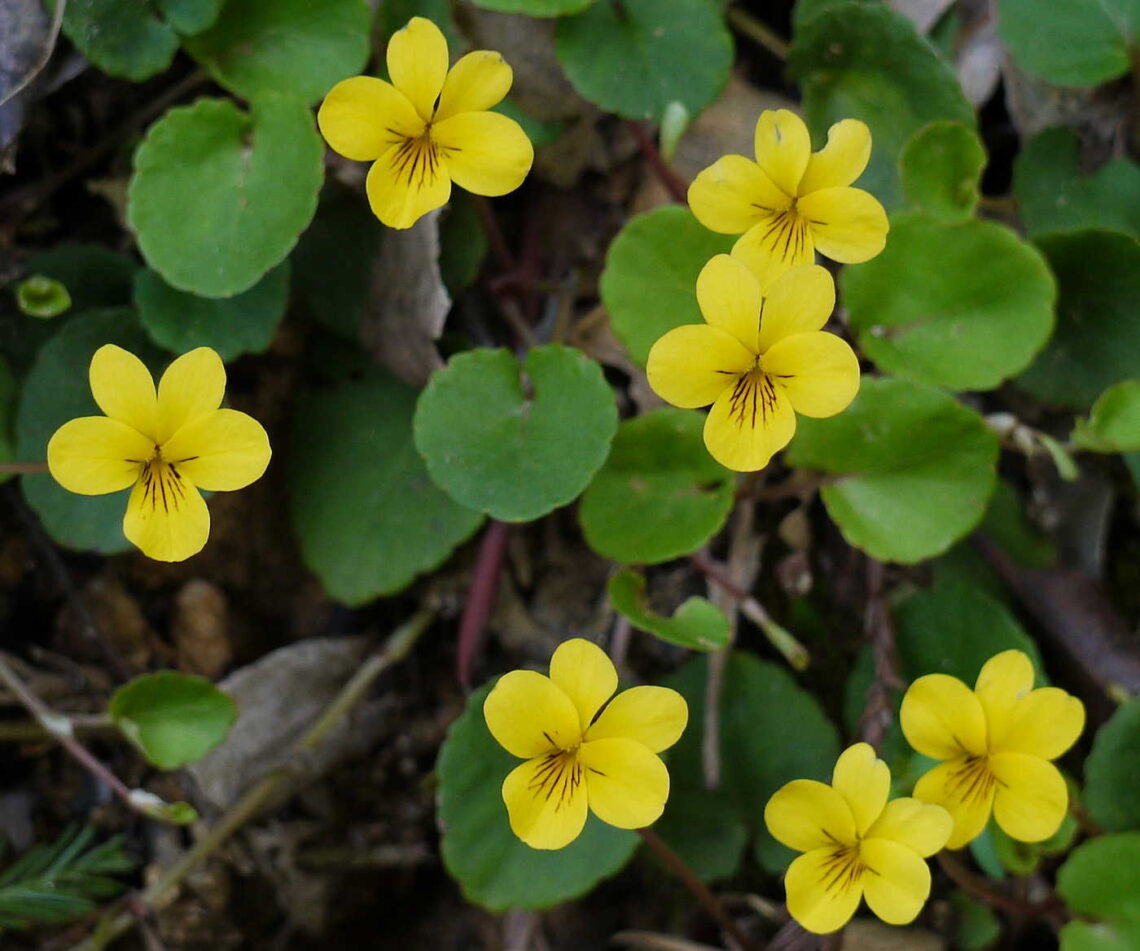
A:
x,y
481,597
743,22
60,729
672,182
880,629
494,233
696,887
395,649
19,731
986,891
778,636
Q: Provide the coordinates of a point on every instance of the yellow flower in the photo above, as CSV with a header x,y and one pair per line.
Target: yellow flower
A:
x,y
167,445
758,360
427,128
578,758
996,742
790,203
855,844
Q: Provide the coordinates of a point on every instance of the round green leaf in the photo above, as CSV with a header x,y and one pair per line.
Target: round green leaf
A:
x,y
253,183
1053,195
1100,936
516,442
535,8
493,867
1101,878
954,628
244,323
173,718
190,16
648,285
1112,771
865,61
697,624
771,732
940,168
913,469
963,305
332,263
1071,42
367,516
660,494
635,58
121,37
1097,341
42,297
285,46
1114,423
55,390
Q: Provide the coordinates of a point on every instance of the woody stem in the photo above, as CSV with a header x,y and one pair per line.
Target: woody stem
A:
x,y
700,892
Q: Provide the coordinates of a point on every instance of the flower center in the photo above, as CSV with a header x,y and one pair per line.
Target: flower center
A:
x,y
557,777
418,159
843,868
162,485
754,394
972,780
787,233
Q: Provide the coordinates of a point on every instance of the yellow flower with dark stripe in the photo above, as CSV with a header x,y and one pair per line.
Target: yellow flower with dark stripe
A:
x,y
790,203
995,742
167,444
428,127
583,751
856,844
759,360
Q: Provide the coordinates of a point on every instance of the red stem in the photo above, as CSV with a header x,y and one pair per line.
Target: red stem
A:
x,y
673,182
481,597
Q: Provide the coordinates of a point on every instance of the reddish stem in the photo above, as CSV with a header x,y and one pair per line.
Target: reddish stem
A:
x,y
481,597
673,182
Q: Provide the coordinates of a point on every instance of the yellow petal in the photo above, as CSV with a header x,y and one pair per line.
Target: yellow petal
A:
x,y
485,152
775,244
842,160
478,81
166,516
94,455
965,789
693,365
417,63
819,372
1045,723
729,297
220,451
920,826
529,716
942,719
806,815
627,784
585,673
783,148
407,182
732,194
864,781
1003,680
798,301
192,386
1031,798
653,716
896,883
823,891
124,389
546,801
749,423
362,117
847,224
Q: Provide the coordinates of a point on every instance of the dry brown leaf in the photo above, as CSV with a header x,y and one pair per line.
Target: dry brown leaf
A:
x,y
200,629
407,303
